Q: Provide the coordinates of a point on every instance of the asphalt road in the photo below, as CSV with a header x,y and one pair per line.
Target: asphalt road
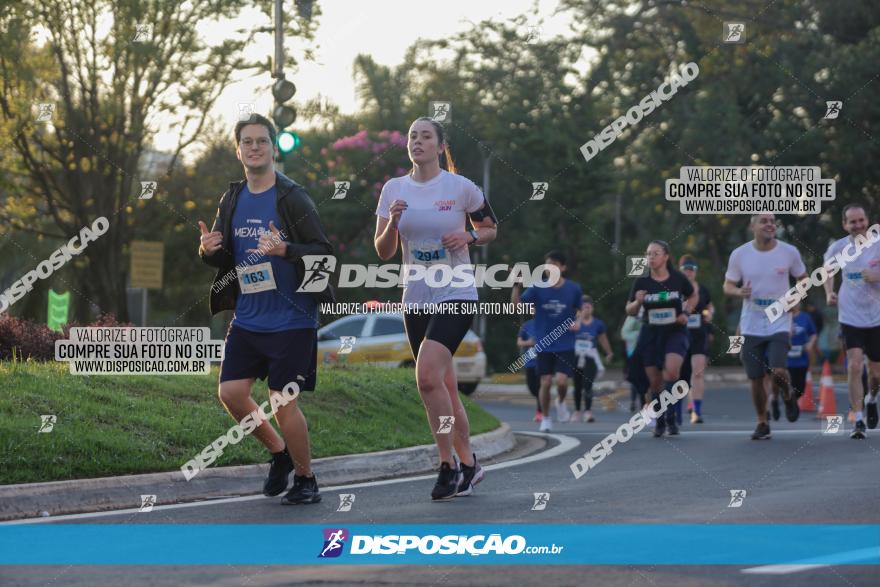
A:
x,y
800,476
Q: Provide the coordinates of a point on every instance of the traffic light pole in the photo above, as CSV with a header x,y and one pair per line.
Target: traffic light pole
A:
x,y
278,72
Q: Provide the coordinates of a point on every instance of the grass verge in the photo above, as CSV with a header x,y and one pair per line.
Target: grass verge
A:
x,y
125,424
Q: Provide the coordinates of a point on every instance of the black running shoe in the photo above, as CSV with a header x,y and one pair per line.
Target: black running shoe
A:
x,y
792,410
279,471
304,490
871,412
447,482
660,427
672,423
470,476
858,430
762,432
774,408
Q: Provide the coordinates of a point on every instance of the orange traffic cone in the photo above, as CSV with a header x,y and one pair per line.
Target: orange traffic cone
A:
x,y
827,403
806,403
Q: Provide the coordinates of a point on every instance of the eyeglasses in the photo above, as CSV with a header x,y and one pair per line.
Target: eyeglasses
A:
x,y
261,142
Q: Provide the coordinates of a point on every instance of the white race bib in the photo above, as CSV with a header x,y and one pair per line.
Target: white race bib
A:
x,y
582,346
761,304
256,278
660,316
428,252
796,351
695,320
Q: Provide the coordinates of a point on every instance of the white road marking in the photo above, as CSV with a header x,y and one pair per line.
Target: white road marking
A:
x,y
566,443
864,554
685,433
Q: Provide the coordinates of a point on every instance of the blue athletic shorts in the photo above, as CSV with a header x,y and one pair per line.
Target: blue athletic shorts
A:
x,y
285,356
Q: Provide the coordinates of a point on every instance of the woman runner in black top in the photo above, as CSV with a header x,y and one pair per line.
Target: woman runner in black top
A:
x,y
668,297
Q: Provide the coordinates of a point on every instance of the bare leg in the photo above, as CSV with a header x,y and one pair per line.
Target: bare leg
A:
x,y
561,386
873,378
672,366
296,434
855,360
698,380
433,358
236,397
544,394
759,399
461,432
782,383
655,383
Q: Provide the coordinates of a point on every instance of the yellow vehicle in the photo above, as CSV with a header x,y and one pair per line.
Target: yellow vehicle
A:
x,y
380,339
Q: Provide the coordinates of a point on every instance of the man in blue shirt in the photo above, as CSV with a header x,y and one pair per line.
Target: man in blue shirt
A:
x,y
556,310
264,227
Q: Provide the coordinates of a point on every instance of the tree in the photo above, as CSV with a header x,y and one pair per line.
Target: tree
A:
x,y
115,73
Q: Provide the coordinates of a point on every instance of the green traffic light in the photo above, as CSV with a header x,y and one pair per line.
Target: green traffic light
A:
x,y
288,141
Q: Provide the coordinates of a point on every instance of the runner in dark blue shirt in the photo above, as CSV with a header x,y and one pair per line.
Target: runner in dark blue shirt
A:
x,y
556,309
273,333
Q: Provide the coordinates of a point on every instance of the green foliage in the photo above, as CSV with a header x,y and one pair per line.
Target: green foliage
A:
x,y
114,73
528,105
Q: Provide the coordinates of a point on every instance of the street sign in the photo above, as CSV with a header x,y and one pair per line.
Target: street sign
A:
x,y
147,258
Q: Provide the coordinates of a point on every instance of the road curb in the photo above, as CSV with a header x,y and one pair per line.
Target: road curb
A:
x,y
29,500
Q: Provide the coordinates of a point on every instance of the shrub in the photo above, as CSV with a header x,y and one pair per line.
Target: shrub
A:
x,y
25,339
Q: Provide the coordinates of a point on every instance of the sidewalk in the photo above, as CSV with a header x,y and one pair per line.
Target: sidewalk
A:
x,y
33,500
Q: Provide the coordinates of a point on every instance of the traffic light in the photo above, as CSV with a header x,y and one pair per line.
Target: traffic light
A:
x,y
287,141
283,115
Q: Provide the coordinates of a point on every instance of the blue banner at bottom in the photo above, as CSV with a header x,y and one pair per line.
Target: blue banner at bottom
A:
x,y
203,544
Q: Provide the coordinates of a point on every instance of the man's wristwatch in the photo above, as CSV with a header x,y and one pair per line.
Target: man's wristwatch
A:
x,y
474,235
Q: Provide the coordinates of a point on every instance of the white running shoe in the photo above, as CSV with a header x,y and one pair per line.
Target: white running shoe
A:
x,y
562,413
546,425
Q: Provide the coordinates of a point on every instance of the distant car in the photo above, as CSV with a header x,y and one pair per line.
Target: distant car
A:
x,y
381,340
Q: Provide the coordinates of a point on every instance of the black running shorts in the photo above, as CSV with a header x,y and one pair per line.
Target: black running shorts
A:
x,y
867,339
447,326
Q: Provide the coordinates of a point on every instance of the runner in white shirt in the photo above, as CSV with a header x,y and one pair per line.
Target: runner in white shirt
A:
x,y
858,310
763,266
428,211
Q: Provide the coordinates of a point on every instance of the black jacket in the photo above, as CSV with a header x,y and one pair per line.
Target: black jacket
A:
x,y
299,223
